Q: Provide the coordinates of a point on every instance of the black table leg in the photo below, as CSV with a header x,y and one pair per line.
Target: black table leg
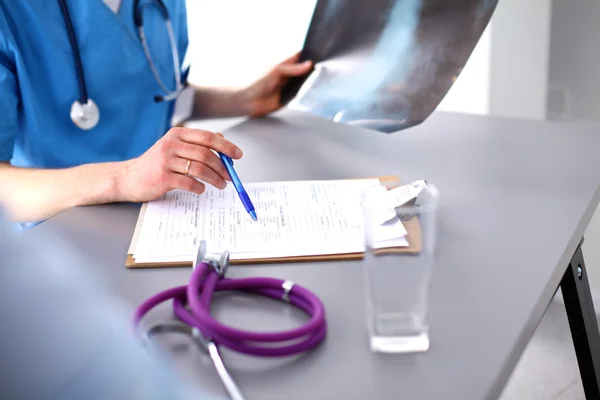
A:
x,y
582,321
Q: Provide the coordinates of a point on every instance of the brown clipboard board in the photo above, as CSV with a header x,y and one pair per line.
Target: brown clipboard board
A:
x,y
413,237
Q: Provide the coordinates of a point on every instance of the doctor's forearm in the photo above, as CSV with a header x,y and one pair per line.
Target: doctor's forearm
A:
x,y
36,194
219,103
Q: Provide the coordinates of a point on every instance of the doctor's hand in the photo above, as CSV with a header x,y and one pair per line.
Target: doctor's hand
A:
x,y
173,162
263,96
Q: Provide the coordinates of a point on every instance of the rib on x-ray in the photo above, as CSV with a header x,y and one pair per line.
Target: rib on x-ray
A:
x,y
385,64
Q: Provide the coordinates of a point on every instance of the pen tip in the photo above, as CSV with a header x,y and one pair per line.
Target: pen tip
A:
x,y
253,215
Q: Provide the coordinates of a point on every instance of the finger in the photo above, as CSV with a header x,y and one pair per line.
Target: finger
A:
x,y
295,69
292,59
187,183
202,155
198,170
210,140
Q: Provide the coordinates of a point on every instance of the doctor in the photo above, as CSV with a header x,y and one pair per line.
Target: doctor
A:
x,y
87,93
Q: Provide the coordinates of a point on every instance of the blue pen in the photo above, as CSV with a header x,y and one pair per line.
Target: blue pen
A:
x,y
228,163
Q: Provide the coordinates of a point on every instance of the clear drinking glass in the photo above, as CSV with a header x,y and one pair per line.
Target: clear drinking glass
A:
x,y
398,267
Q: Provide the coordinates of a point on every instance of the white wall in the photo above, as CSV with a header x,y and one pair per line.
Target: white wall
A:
x,y
470,93
233,42
521,47
575,60
507,73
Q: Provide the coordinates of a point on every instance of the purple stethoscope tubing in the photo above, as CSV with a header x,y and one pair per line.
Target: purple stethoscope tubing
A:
x,y
197,295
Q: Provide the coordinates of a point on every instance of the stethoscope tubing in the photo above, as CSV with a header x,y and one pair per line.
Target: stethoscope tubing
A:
x,y
139,22
83,94
198,294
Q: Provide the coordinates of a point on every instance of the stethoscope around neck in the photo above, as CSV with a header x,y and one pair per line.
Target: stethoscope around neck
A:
x,y
85,113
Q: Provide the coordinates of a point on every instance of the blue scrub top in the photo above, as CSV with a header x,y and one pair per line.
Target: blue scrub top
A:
x,y
38,81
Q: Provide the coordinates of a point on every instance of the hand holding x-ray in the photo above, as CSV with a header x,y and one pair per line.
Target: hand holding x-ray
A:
x,y
385,64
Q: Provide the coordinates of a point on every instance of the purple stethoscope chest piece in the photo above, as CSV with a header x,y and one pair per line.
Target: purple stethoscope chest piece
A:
x,y
191,307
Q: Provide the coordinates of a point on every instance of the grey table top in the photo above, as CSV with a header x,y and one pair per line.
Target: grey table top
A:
x,y
516,199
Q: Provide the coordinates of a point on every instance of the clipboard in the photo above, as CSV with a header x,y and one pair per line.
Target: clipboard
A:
x,y
413,237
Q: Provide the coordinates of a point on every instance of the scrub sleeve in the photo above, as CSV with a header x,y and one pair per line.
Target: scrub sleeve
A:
x,y
9,96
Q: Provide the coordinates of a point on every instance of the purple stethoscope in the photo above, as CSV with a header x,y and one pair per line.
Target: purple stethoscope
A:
x,y
191,306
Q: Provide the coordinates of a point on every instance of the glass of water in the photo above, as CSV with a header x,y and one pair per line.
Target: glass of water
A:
x,y
400,226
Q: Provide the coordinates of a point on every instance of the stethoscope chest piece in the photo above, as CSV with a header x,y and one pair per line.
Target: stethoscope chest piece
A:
x,y
85,115
84,112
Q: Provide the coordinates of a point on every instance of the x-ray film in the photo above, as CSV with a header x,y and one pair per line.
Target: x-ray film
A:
x,y
385,64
